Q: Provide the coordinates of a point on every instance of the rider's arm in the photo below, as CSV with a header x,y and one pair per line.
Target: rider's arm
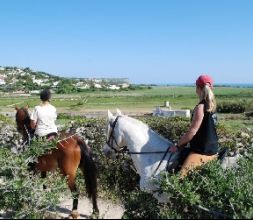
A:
x,y
195,125
34,118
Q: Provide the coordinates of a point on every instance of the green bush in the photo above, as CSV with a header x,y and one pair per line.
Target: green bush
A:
x,y
230,107
118,178
249,114
140,205
211,192
6,120
208,193
21,191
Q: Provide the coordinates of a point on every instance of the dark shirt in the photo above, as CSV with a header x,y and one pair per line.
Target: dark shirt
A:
x,y
206,140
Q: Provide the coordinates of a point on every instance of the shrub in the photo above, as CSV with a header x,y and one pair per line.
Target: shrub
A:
x,y
4,119
209,192
118,179
140,205
21,192
249,114
230,107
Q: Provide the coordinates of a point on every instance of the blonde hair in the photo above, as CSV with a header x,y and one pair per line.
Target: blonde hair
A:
x,y
208,95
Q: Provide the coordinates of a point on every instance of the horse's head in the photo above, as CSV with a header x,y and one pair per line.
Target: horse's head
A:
x,y
23,122
115,141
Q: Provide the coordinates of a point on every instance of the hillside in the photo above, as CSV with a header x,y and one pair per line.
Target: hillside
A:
x,y
25,80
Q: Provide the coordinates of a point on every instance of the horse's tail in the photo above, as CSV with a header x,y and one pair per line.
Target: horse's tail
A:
x,y
88,167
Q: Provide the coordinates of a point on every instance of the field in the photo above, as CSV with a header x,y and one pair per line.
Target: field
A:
x,y
136,100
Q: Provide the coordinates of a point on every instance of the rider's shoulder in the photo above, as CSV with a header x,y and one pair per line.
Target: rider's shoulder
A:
x,y
37,107
52,106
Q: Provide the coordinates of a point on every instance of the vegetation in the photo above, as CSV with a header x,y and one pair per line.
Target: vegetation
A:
x,y
231,108
21,191
208,193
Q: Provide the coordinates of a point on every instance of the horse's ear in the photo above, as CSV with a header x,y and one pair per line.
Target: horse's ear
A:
x,y
16,107
110,115
27,107
118,112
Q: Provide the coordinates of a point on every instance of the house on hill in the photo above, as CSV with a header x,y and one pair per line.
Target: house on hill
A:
x,y
2,81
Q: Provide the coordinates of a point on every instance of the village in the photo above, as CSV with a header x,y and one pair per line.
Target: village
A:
x,y
26,82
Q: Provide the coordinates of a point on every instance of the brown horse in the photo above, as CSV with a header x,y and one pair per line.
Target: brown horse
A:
x,y
71,152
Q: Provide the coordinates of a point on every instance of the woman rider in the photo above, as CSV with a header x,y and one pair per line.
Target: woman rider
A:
x,y
202,134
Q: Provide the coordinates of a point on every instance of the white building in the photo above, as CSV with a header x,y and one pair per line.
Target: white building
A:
x,y
56,83
97,86
114,87
38,81
166,111
124,85
33,92
2,81
84,87
23,74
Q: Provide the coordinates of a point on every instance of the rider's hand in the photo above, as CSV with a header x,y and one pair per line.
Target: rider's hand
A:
x,y
173,149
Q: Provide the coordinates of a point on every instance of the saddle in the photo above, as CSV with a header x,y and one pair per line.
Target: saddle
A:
x,y
183,154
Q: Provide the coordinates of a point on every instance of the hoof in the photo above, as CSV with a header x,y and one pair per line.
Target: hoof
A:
x,y
95,214
74,214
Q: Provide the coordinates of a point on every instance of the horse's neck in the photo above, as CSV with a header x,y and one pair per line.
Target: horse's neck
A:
x,y
139,138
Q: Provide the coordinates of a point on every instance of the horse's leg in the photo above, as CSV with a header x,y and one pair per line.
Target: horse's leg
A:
x,y
43,176
69,165
75,194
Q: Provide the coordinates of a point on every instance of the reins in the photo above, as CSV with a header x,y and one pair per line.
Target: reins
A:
x,y
28,135
125,148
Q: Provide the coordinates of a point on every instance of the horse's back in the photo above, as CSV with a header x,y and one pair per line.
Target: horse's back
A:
x,y
66,155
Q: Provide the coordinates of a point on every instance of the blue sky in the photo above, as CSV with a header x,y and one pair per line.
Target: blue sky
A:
x,y
159,41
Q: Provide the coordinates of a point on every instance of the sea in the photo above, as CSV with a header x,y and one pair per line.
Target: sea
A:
x,y
233,85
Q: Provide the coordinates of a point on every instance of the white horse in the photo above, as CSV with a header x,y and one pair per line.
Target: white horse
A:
x,y
149,151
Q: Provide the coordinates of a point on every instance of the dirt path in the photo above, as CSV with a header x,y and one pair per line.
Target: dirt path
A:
x,y
108,210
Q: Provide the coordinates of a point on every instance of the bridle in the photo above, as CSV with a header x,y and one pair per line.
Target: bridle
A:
x,y
113,139
124,150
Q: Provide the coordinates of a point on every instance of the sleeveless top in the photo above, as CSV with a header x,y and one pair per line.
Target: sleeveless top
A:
x,y
206,139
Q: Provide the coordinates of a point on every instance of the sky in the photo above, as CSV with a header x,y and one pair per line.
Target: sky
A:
x,y
147,41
